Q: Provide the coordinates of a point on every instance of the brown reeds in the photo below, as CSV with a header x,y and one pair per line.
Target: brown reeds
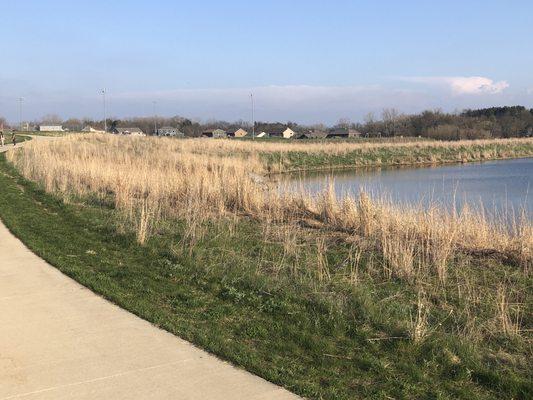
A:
x,y
152,179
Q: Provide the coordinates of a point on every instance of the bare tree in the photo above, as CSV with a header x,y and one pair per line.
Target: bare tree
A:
x,y
343,123
51,119
391,118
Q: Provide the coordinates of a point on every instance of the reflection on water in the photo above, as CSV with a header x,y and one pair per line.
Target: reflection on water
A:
x,y
499,187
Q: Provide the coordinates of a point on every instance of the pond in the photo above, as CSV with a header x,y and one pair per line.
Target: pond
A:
x,y
500,188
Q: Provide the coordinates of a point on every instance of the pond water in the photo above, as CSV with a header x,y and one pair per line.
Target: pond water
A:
x,y
501,188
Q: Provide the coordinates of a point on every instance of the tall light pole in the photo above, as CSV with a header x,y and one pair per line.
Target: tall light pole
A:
x,y
155,119
105,116
20,100
253,115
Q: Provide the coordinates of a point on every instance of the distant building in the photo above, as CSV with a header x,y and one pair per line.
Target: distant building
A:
x,y
285,133
312,134
214,133
129,131
262,135
343,133
169,131
50,128
238,133
90,129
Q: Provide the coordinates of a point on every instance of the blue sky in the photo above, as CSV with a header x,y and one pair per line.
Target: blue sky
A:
x,y
306,61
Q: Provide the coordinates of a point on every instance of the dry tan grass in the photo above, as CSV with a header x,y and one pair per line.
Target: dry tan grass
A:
x,y
152,179
236,148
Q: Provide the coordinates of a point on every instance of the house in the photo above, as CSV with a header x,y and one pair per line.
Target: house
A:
x,y
237,133
312,134
343,133
169,131
285,133
262,135
90,129
214,133
129,131
50,128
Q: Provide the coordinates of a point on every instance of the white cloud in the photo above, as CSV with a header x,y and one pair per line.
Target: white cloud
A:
x,y
460,85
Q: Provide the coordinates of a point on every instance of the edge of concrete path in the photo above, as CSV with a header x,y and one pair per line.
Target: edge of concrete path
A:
x,y
10,237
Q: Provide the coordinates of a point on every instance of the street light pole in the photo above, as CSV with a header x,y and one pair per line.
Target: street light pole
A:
x,y
105,116
21,99
253,116
155,119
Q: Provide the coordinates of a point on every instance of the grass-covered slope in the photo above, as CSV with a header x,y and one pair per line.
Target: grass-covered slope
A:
x,y
223,286
390,154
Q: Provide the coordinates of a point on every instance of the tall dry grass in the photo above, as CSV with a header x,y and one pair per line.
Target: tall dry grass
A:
x,y
151,180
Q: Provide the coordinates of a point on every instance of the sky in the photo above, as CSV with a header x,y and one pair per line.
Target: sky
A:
x,y
306,61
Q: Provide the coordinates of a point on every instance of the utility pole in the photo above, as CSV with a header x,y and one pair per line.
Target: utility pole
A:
x,y
253,116
20,100
105,116
155,119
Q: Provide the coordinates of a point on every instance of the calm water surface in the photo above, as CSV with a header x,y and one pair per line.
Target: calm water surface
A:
x,y
499,187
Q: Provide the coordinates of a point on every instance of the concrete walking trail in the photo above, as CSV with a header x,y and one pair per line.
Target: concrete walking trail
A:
x,y
58,340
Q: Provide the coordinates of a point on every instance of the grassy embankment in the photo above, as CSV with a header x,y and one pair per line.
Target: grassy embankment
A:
x,y
20,138
334,300
328,155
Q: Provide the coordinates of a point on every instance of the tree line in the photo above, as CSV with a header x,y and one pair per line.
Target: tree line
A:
x,y
493,122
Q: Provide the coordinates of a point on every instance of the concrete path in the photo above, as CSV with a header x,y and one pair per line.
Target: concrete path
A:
x,y
58,340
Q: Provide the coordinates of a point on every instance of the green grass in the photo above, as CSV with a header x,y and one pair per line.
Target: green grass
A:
x,y
20,138
231,294
45,133
393,156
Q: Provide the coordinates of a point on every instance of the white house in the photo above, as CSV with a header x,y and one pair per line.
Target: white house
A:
x,y
90,129
50,128
262,134
129,131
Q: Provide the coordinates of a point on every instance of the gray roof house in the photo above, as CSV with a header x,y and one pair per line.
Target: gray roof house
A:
x,y
129,131
343,133
312,134
214,133
284,132
169,131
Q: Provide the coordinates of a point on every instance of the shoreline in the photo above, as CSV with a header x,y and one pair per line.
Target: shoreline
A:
x,y
393,165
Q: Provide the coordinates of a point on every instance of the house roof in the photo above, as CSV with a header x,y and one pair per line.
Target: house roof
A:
x,y
278,131
214,130
317,134
344,131
167,127
129,129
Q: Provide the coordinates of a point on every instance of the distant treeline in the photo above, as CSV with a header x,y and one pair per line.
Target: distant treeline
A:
x,y
494,122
